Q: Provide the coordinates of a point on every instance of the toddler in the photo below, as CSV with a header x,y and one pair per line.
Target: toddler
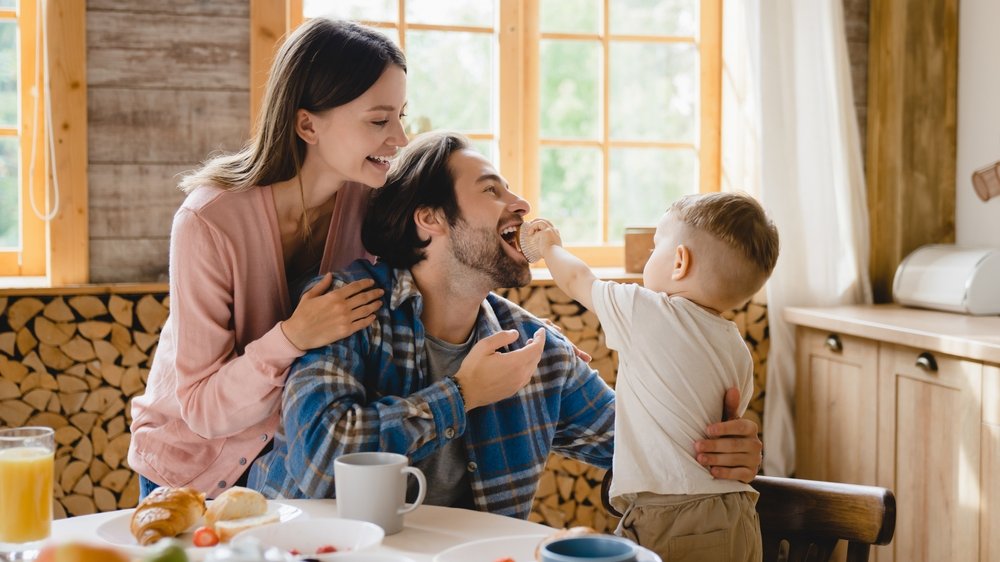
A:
x,y
677,356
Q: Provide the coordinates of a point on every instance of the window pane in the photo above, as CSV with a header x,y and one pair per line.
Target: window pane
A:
x,y
10,221
571,193
654,17
570,89
642,184
571,16
451,79
369,10
487,149
452,12
8,73
654,91
8,4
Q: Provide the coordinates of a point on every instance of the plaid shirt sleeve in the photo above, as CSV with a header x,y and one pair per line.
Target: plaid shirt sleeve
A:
x,y
565,407
587,416
326,415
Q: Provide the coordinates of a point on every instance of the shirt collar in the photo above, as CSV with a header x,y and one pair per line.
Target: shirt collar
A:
x,y
403,289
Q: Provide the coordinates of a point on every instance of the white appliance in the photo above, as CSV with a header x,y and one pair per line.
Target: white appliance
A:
x,y
948,277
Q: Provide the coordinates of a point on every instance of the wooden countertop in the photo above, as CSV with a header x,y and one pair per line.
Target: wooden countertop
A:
x,y
973,337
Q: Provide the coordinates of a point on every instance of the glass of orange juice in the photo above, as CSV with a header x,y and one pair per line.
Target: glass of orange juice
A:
x,y
26,470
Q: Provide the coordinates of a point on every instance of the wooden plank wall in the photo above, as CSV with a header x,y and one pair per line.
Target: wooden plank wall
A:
x,y
912,123
856,30
168,84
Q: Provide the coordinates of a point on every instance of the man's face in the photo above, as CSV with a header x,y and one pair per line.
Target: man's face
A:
x,y
483,238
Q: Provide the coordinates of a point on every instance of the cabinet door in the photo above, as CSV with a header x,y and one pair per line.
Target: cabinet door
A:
x,y
835,407
929,453
990,512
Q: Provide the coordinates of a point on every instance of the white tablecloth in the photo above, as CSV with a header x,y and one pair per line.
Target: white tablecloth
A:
x,y
428,530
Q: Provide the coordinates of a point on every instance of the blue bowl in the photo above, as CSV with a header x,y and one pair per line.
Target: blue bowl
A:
x,y
595,548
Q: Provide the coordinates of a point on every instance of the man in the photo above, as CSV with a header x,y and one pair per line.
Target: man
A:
x,y
474,389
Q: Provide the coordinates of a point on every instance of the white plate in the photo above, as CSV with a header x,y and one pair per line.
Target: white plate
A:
x,y
347,535
519,548
116,530
371,557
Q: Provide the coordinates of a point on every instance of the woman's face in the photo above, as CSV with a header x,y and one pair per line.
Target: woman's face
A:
x,y
354,141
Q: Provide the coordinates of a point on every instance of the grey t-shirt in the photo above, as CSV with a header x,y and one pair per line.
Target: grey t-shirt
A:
x,y
447,478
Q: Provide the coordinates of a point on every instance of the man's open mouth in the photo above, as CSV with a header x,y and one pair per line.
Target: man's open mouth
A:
x,y
510,236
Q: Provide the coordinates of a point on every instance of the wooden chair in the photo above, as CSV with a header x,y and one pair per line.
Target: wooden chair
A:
x,y
802,520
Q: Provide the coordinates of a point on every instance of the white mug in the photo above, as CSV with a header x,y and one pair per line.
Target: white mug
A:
x,y
372,487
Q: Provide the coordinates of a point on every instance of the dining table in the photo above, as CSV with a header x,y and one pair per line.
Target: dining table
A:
x,y
427,532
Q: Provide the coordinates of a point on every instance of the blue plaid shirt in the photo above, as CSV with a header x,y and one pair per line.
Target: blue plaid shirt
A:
x,y
371,392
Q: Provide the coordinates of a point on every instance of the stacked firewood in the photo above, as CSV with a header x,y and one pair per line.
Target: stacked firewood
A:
x,y
73,363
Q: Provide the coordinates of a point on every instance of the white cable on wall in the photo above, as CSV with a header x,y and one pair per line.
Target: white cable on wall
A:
x,y
40,104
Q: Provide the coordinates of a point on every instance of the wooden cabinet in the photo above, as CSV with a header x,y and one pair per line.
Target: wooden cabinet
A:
x,y
910,400
928,452
989,538
835,407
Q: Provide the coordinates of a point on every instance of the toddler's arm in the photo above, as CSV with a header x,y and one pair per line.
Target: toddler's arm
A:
x,y
569,272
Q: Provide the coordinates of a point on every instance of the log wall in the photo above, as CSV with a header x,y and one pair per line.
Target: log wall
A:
x,y
73,359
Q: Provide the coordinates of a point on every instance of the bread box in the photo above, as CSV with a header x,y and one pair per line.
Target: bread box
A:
x,y
952,278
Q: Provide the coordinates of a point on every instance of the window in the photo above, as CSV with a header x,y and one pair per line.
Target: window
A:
x,y
598,112
43,207
22,230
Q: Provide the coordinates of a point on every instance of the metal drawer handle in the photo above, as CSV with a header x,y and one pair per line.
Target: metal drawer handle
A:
x,y
927,363
833,343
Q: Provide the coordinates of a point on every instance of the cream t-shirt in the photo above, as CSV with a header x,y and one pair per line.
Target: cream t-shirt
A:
x,y
676,360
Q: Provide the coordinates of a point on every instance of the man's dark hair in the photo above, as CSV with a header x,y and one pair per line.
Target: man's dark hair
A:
x,y
420,177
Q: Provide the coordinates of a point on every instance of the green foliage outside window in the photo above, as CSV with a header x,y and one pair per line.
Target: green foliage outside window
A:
x,y
653,97
10,230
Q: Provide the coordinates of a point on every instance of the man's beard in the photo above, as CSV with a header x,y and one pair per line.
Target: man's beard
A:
x,y
480,250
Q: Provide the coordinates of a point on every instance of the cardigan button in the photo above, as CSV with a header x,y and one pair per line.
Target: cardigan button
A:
x,y
471,467
449,433
243,461
222,483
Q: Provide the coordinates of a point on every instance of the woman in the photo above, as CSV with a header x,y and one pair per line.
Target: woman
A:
x,y
255,227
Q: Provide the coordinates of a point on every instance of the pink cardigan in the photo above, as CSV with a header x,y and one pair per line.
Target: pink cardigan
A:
x,y
214,390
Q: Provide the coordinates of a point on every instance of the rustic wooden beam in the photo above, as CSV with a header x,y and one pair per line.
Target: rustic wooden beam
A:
x,y
269,22
69,255
912,94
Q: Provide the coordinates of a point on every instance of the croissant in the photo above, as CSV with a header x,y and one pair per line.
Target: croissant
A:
x,y
166,512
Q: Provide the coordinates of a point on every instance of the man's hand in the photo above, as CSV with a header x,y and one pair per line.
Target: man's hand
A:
x,y
733,451
486,375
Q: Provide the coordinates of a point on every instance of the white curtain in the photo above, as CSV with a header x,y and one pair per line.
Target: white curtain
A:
x,y
812,183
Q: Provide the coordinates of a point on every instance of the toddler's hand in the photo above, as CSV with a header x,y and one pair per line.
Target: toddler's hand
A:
x,y
542,234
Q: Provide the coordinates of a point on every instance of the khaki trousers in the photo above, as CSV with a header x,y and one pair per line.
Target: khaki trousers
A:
x,y
702,528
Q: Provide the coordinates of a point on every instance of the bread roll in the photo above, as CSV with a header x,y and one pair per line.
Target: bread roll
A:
x,y
228,529
563,534
235,503
166,512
